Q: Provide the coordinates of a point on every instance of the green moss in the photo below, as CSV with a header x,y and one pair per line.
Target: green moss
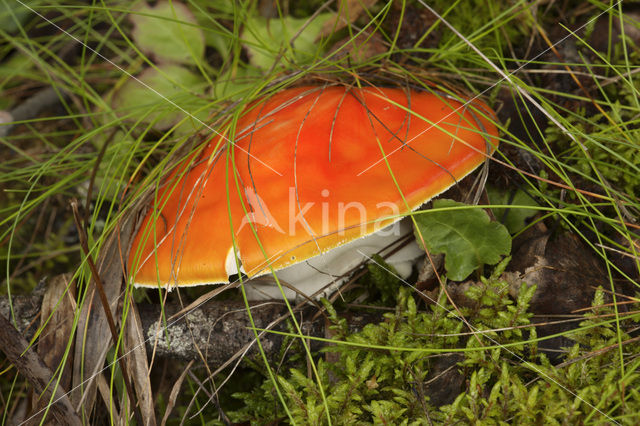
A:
x,y
382,374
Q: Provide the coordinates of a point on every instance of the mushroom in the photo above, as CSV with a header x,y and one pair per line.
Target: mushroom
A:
x,y
306,183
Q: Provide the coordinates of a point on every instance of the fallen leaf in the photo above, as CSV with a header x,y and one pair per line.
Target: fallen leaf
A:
x,y
56,322
173,396
93,337
138,366
348,12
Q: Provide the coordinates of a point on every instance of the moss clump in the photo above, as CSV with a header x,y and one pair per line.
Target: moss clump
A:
x,y
384,373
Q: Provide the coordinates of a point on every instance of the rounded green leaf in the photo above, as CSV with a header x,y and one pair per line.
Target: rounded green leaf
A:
x,y
168,32
467,238
267,39
162,96
515,219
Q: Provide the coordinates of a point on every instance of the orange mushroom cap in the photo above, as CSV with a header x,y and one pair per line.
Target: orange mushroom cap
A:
x,y
308,169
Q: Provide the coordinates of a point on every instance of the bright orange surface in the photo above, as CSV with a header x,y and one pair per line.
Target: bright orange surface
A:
x,y
308,166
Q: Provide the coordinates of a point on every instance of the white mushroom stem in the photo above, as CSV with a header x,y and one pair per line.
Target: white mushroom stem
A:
x,y
326,272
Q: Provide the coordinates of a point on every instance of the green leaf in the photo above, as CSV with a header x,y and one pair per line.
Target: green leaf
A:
x,y
161,96
210,21
237,83
267,39
168,32
513,218
467,238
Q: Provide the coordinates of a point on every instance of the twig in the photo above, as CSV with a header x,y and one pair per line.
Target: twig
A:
x,y
31,108
31,366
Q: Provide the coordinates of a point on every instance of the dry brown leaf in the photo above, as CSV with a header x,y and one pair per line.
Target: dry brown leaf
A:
x,y
360,48
59,303
348,12
134,345
93,337
174,394
56,321
105,393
